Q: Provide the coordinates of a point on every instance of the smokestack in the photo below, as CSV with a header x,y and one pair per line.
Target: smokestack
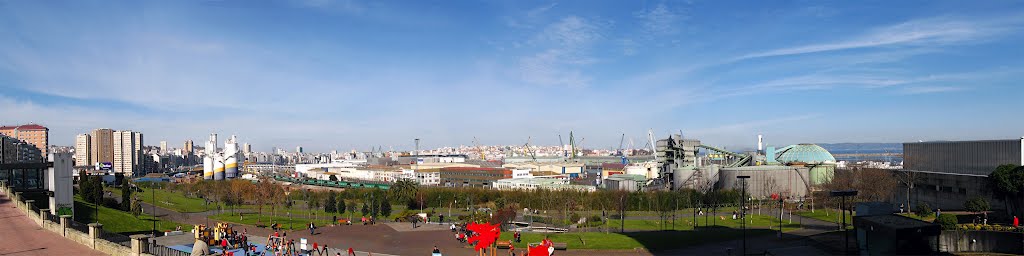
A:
x,y
760,143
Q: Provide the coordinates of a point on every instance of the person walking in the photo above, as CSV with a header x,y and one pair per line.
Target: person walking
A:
x,y
351,252
311,228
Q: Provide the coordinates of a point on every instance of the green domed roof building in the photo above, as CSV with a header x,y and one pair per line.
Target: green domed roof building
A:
x,y
821,162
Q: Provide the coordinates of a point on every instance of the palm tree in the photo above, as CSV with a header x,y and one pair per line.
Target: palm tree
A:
x,y
404,190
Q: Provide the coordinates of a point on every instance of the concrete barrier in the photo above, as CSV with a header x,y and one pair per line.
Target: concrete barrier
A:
x,y
954,241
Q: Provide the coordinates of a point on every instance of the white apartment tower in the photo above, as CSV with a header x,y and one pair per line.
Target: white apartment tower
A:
x,y
163,146
83,150
127,152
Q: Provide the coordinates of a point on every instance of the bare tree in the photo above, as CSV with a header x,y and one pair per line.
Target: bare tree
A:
x,y
908,179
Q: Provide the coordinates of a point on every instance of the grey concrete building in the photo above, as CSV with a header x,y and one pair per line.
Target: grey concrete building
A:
x,y
950,172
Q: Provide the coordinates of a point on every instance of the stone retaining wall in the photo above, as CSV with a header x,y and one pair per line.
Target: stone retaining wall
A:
x,y
88,240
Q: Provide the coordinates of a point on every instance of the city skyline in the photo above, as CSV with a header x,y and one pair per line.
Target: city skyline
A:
x,y
350,74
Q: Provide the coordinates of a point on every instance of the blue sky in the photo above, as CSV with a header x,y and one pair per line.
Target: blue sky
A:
x,y
329,74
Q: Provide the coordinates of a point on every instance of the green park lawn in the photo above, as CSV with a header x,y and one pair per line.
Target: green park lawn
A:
x,y
829,215
170,200
118,221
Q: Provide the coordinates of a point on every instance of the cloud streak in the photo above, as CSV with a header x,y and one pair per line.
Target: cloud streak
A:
x,y
921,32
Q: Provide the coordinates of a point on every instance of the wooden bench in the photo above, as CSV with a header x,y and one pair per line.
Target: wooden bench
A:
x,y
503,244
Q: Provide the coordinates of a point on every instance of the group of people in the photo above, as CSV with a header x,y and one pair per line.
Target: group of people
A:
x,y
278,244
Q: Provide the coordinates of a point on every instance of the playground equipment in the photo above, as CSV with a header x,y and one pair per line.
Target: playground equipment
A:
x,y
217,236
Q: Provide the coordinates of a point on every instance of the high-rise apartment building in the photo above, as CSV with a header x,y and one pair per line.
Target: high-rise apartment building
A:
x,y
127,152
34,134
163,146
102,146
188,147
83,150
137,146
247,148
17,151
298,149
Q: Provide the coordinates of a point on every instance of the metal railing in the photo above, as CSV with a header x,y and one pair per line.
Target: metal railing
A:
x,y
160,250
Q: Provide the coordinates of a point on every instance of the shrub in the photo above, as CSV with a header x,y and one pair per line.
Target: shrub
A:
x,y
947,221
923,210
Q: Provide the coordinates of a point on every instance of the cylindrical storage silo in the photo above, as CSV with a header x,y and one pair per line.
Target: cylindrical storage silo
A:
x,y
207,168
231,167
218,168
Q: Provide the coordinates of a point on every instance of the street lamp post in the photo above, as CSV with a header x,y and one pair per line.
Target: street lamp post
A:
x,y
844,194
743,211
152,196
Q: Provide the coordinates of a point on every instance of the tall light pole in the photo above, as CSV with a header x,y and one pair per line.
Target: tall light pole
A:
x,y
152,196
844,194
743,210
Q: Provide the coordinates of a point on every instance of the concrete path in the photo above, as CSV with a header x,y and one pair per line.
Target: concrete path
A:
x,y
22,236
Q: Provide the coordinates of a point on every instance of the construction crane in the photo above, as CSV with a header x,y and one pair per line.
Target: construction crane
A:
x,y
529,151
572,145
478,149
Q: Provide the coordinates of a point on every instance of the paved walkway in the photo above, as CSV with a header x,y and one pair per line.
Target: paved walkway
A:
x,y
22,236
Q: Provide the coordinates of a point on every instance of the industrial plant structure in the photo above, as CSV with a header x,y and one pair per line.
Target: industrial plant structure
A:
x,y
222,165
790,171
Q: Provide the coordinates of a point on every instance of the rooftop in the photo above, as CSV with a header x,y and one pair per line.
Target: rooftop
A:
x,y
24,127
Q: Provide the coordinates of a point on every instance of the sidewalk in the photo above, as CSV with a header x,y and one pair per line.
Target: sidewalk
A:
x,y
22,236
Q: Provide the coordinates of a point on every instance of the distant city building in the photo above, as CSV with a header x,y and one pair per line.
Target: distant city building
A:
x,y
246,148
127,153
163,146
102,146
189,148
298,149
83,150
37,135
473,176
18,151
539,183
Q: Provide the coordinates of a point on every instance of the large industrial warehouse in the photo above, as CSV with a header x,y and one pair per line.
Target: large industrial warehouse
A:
x,y
951,172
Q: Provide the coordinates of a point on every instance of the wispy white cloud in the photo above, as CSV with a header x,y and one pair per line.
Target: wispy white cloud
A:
x,y
564,51
660,20
914,90
921,32
530,18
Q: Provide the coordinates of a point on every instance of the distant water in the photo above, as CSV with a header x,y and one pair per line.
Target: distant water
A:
x,y
865,148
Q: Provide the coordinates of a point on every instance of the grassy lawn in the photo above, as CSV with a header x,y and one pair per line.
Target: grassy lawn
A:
x,y
655,241
929,218
829,215
117,221
168,199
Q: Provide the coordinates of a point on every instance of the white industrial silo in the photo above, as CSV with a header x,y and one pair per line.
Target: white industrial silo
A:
x,y
230,158
207,167
218,167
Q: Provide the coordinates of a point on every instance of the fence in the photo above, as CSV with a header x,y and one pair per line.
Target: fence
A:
x,y
160,250
117,238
